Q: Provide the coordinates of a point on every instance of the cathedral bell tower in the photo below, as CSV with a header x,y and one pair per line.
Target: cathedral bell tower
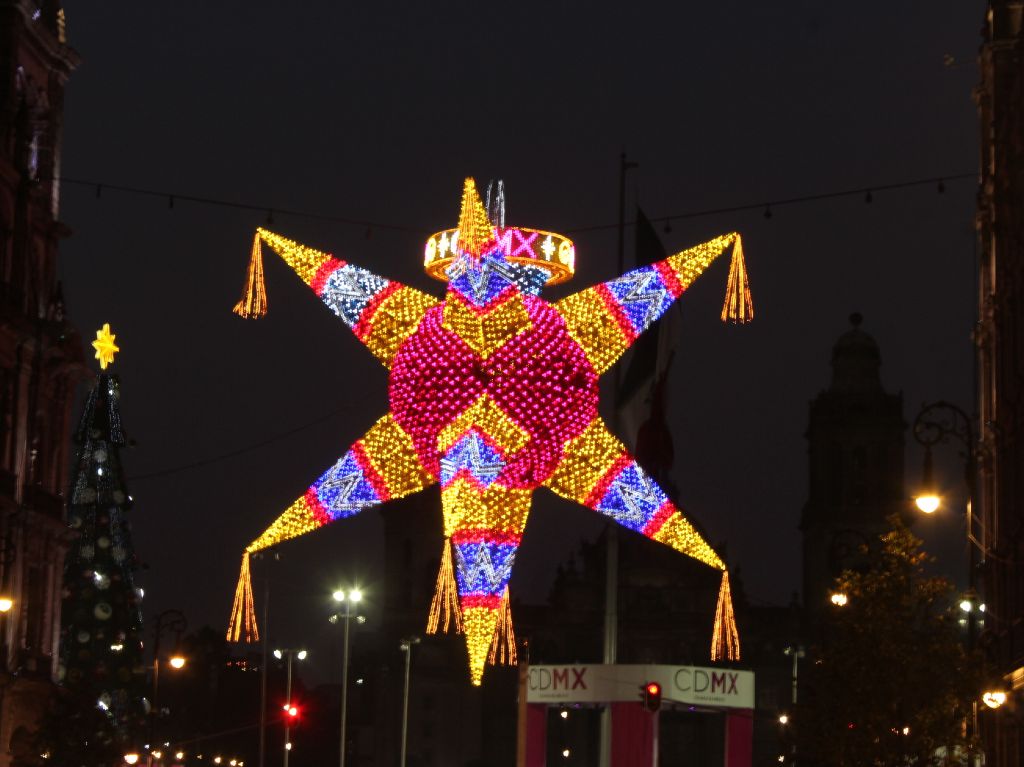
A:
x,y
855,451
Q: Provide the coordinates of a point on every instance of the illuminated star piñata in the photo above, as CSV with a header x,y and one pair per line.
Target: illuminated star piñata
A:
x,y
493,393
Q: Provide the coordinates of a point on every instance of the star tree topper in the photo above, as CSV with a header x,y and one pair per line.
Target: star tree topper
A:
x,y
105,346
493,393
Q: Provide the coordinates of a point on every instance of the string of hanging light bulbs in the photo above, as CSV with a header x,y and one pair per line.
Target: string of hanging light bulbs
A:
x,y
768,206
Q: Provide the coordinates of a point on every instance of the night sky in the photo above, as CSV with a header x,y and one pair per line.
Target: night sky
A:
x,y
377,111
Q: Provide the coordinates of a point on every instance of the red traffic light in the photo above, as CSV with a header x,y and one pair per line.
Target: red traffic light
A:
x,y
291,712
650,695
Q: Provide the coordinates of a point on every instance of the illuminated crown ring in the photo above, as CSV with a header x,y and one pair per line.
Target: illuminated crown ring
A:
x,y
555,253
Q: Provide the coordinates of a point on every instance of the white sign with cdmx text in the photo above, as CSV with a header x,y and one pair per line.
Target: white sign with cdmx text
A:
x,y
690,685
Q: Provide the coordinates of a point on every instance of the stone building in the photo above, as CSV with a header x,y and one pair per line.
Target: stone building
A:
x,y
999,336
855,453
40,362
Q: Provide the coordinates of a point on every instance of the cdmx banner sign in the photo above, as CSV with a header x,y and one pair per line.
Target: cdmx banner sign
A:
x,y
708,687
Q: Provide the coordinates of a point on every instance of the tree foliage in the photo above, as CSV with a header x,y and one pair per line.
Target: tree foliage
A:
x,y
891,682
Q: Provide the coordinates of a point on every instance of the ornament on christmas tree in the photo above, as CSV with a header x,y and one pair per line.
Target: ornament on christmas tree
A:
x,y
105,346
493,393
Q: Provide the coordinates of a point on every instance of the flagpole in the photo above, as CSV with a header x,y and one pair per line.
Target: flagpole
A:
x,y
611,587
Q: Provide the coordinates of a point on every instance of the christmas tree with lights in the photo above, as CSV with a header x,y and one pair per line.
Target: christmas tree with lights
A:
x,y
101,712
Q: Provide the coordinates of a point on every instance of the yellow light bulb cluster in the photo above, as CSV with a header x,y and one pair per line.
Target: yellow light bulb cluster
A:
x,y
391,452
594,328
480,624
678,533
298,519
486,415
587,459
304,261
689,264
497,508
394,320
485,333
474,226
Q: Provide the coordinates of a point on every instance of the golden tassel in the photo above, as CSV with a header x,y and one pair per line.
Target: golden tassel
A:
x,y
253,303
725,640
446,596
738,306
242,626
503,646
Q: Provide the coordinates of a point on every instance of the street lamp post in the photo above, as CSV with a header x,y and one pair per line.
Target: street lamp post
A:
x,y
165,622
937,423
796,652
6,603
347,599
271,556
289,709
406,647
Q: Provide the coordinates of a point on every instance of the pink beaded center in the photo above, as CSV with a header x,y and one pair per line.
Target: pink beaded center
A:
x,y
540,378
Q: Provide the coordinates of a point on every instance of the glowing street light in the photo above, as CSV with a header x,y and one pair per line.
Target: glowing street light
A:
x,y
839,599
929,499
166,622
993,698
349,598
6,603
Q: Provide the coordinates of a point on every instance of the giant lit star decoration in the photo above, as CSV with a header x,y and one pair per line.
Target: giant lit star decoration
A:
x,y
105,346
493,393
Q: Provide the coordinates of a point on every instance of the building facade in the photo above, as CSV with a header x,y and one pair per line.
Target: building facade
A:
x,y
999,337
855,436
40,363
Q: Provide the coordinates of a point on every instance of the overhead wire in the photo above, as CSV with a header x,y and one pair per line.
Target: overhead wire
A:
x,y
245,448
866,192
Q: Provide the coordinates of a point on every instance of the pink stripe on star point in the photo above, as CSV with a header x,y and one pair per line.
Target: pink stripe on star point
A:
x,y
480,600
479,535
614,308
327,268
660,517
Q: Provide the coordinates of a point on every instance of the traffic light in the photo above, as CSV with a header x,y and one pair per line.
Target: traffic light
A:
x,y
291,714
650,694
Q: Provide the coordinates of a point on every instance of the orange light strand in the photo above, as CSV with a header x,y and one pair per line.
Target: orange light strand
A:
x,y
503,646
253,303
725,639
445,605
242,627
738,307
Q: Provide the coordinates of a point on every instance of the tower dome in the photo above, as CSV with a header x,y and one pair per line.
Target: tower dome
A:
x,y
856,360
